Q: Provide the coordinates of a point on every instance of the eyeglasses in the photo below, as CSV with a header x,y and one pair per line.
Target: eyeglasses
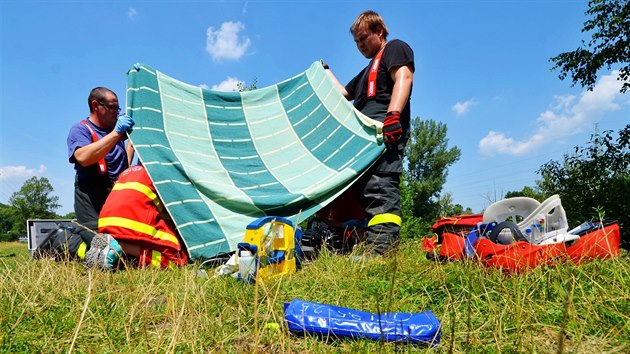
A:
x,y
110,107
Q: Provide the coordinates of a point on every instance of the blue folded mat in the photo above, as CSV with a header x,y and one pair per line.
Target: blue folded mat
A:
x,y
321,319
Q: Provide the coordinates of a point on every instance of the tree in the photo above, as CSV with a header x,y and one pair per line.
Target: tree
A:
x,y
447,208
33,201
527,192
609,44
595,178
242,88
70,215
428,158
7,222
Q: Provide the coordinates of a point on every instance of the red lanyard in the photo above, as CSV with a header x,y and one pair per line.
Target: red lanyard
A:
x,y
102,166
371,87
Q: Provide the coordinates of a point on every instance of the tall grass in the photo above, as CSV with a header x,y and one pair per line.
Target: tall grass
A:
x,y
50,306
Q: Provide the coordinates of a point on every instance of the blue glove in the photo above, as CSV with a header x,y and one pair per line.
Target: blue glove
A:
x,y
124,124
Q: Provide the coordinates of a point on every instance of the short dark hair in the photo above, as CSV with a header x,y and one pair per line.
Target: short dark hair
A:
x,y
98,94
372,21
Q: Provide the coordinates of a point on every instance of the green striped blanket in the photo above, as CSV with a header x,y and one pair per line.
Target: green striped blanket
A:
x,y
220,160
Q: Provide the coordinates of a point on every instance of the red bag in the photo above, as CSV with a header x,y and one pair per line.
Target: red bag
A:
x,y
450,231
603,242
518,256
458,224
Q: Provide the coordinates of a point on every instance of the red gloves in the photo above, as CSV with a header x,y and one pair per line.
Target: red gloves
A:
x,y
392,128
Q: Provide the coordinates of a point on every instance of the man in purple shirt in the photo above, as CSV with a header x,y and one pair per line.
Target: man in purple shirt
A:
x,y
96,148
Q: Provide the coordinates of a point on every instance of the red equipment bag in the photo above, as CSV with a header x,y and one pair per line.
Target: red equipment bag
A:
x,y
458,224
450,232
601,242
517,257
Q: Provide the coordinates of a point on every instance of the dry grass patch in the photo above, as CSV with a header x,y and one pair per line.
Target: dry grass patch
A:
x,y
56,306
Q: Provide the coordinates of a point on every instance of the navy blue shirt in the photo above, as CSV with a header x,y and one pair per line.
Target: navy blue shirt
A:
x,y
116,158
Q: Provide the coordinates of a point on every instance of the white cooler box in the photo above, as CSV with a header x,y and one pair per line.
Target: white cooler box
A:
x,y
38,230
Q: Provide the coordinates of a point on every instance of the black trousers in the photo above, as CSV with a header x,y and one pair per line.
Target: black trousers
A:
x,y
89,198
381,200
65,242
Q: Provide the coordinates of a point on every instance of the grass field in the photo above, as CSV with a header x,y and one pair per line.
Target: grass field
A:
x,y
50,306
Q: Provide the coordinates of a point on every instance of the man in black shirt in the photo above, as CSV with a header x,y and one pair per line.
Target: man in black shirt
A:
x,y
382,91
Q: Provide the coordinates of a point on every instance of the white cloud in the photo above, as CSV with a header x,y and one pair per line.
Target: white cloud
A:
x,y
497,143
12,178
229,84
563,102
225,42
20,172
132,13
204,86
568,115
462,107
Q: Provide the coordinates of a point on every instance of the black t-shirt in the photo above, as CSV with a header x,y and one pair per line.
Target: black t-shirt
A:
x,y
397,53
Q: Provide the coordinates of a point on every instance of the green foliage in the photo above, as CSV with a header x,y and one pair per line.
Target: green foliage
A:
x,y
527,192
412,226
8,219
242,88
609,44
33,201
428,158
447,208
596,176
481,310
70,215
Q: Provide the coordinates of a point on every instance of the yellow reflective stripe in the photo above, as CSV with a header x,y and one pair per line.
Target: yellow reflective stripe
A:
x,y
136,186
385,218
81,250
156,259
137,226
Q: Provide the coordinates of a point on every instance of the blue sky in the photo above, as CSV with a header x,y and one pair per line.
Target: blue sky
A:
x,y
482,68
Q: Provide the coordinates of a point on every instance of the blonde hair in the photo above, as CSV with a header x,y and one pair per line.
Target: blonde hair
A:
x,y
372,21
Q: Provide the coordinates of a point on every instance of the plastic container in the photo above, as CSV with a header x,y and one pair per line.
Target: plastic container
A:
x,y
536,233
272,240
246,266
529,234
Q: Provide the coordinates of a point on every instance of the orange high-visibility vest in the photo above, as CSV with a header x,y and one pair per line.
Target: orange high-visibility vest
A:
x,y
102,165
134,213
